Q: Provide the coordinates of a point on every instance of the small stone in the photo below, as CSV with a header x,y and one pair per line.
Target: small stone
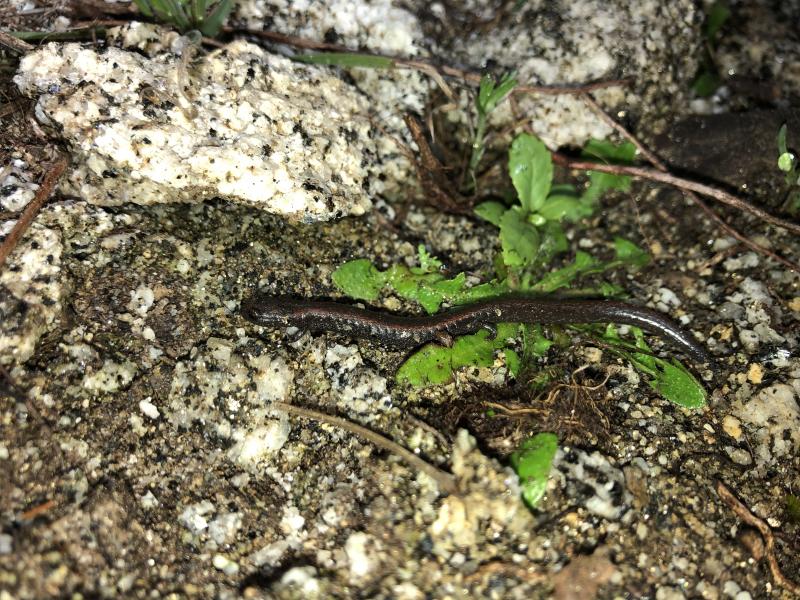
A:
x,y
732,426
224,564
755,373
149,409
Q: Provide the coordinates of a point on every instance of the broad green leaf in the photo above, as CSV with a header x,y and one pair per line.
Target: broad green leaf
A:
x,y
491,211
434,364
531,169
532,462
536,342
519,239
677,385
670,379
345,59
513,361
609,152
606,152
571,208
429,289
629,253
359,279
480,292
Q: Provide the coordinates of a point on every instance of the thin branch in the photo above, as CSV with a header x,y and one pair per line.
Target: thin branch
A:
x,y
746,515
446,481
14,43
734,233
30,212
606,118
678,182
658,164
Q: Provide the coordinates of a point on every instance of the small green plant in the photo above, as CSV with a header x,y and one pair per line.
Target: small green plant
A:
x,y
490,94
530,231
793,508
532,461
205,16
531,235
789,164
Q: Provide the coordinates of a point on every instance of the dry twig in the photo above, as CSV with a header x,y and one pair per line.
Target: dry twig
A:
x,y
680,183
746,515
14,43
30,212
658,164
446,481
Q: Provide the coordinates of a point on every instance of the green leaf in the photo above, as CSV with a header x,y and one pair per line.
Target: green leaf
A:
x,y
629,253
491,94
786,162
345,59
677,385
532,462
536,341
434,364
531,168
718,14
606,152
609,152
584,263
569,207
429,289
670,379
491,211
513,361
706,83
479,292
427,262
519,239
144,7
359,279
793,508
214,20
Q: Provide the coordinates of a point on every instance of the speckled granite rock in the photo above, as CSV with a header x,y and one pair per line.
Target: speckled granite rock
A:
x,y
240,123
570,43
655,44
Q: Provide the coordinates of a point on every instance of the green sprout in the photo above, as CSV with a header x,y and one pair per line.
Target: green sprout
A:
x,y
490,94
789,164
205,16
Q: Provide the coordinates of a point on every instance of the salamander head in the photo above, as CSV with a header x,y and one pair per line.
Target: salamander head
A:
x,y
271,311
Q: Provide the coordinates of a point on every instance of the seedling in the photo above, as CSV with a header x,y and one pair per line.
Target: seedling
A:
x,y
490,94
205,16
789,164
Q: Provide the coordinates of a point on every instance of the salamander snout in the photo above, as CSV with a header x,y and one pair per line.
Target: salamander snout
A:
x,y
268,310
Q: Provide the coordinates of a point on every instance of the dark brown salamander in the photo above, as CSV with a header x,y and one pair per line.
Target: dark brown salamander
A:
x,y
408,332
